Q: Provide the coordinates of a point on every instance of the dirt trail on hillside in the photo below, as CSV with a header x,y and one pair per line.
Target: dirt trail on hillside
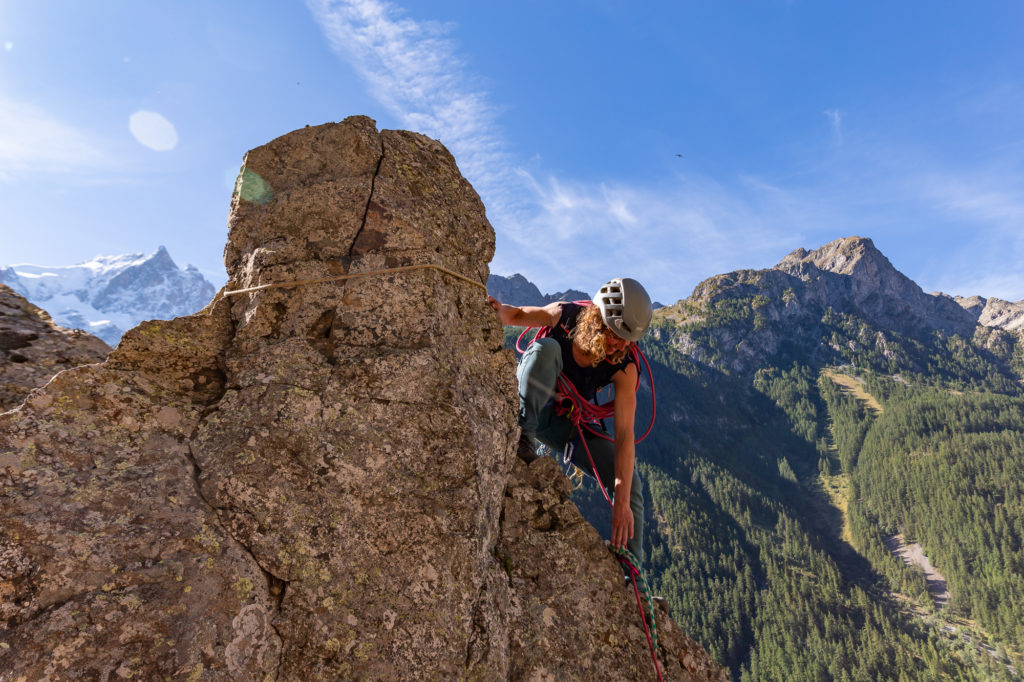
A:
x,y
912,555
855,387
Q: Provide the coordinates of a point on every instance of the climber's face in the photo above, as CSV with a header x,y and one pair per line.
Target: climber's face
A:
x,y
613,343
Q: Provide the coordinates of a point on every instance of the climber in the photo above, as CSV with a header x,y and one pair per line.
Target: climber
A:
x,y
589,346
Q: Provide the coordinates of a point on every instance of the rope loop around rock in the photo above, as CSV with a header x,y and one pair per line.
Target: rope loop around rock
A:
x,y
356,275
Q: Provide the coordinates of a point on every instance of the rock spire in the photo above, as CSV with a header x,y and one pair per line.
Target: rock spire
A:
x,y
311,482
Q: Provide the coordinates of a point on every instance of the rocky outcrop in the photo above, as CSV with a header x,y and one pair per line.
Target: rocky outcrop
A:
x,y
995,312
33,348
312,481
570,618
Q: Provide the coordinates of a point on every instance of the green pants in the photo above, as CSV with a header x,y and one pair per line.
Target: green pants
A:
x,y
537,374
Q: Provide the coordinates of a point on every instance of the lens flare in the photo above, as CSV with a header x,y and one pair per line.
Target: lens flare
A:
x,y
251,187
153,130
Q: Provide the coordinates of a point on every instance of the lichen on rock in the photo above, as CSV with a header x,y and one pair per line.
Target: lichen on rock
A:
x,y
311,481
33,348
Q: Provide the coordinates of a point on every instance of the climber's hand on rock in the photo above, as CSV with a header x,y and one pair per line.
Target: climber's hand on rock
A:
x,y
622,523
506,313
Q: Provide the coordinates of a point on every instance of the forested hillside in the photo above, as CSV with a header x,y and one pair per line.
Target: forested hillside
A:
x,y
747,548
805,421
947,471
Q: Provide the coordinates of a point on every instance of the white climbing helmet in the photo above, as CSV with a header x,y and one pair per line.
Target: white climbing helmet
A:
x,y
625,307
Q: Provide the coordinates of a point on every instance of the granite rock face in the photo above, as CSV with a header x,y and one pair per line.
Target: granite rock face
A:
x,y
570,618
33,348
315,481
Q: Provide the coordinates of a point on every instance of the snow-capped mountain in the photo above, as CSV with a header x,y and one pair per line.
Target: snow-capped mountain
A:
x,y
111,294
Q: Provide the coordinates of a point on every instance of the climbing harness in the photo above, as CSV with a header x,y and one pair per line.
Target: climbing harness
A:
x,y
586,415
356,275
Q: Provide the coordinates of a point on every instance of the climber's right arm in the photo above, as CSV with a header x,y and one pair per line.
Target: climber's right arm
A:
x,y
527,315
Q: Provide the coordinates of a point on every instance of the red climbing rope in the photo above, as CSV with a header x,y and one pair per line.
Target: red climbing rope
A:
x,y
634,573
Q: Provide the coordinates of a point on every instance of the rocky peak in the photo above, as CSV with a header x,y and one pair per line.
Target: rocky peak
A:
x,y
854,275
514,290
316,479
112,293
852,264
154,285
757,314
517,290
162,256
856,257
972,304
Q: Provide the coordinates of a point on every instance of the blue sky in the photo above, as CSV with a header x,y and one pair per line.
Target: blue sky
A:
x,y
669,141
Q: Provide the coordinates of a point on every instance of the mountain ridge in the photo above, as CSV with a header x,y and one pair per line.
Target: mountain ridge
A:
x,y
995,312
875,286
840,303
517,290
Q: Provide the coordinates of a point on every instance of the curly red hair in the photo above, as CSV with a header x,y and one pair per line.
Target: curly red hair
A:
x,y
589,333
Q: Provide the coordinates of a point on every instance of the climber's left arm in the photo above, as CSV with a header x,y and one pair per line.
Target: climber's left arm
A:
x,y
625,453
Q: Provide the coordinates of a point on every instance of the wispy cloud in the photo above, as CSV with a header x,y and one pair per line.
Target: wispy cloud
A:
x,y
558,232
990,201
671,235
988,245
413,69
561,233
33,140
835,118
